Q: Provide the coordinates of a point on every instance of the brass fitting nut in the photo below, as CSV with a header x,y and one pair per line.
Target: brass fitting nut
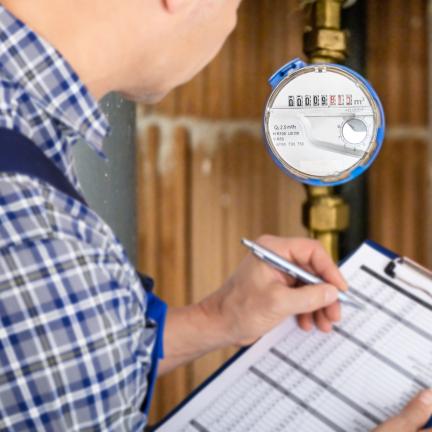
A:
x,y
326,43
326,214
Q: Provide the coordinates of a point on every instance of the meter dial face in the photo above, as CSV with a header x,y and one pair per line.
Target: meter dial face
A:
x,y
321,123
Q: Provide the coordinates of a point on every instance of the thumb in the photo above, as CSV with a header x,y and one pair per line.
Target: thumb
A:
x,y
311,298
413,417
417,412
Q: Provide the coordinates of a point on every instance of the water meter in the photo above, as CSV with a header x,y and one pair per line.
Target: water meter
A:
x,y
324,124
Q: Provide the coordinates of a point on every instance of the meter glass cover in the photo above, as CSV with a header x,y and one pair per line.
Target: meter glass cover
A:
x,y
321,124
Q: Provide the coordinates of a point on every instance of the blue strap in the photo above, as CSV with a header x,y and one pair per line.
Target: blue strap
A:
x,y
156,311
20,155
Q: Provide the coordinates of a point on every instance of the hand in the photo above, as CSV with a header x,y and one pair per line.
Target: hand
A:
x,y
257,297
413,417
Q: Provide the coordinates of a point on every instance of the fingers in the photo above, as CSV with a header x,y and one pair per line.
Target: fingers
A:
x,y
322,322
308,254
310,298
333,312
413,417
418,411
305,321
311,256
321,263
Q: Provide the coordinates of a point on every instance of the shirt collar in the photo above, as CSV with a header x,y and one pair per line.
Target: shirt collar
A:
x,y
40,70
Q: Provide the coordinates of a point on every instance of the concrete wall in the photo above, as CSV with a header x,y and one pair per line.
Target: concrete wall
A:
x,y
110,186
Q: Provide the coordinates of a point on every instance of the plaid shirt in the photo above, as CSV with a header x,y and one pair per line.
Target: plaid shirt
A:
x,y
75,345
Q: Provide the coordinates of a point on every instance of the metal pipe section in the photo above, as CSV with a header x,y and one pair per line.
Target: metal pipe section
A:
x,y
325,214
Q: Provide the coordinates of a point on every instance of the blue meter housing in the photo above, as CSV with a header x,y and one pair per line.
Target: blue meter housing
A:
x,y
323,123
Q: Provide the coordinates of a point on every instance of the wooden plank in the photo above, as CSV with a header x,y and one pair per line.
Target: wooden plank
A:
x,y
206,238
173,259
174,202
398,201
147,200
164,234
417,47
244,67
217,84
397,67
428,176
397,59
148,141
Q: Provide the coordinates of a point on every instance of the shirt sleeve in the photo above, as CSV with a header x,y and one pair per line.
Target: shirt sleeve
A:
x,y
75,345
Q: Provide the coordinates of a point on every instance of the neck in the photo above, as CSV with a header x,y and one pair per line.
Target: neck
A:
x,y
86,43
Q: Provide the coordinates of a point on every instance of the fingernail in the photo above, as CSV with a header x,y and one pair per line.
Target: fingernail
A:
x,y
331,295
426,397
338,317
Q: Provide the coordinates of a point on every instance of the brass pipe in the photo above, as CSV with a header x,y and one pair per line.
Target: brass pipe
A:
x,y
325,214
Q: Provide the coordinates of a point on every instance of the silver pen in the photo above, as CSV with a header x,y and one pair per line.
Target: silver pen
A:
x,y
291,269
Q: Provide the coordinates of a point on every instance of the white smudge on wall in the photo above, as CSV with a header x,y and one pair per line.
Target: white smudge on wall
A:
x,y
206,134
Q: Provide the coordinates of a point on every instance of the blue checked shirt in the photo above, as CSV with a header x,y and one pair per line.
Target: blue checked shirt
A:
x,y
75,346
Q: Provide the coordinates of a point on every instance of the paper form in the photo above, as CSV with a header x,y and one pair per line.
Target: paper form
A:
x,y
365,371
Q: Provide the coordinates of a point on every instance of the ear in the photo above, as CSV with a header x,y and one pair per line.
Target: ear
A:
x,y
175,6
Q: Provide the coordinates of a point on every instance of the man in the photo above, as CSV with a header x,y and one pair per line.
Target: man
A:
x,y
75,340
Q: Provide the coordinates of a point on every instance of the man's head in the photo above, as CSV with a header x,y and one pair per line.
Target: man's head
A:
x,y
140,48
186,35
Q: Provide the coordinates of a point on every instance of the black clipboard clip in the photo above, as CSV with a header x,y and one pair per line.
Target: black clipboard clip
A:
x,y
411,274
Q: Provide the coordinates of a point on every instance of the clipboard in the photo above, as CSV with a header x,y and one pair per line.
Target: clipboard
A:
x,y
407,271
396,269
198,389
403,269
